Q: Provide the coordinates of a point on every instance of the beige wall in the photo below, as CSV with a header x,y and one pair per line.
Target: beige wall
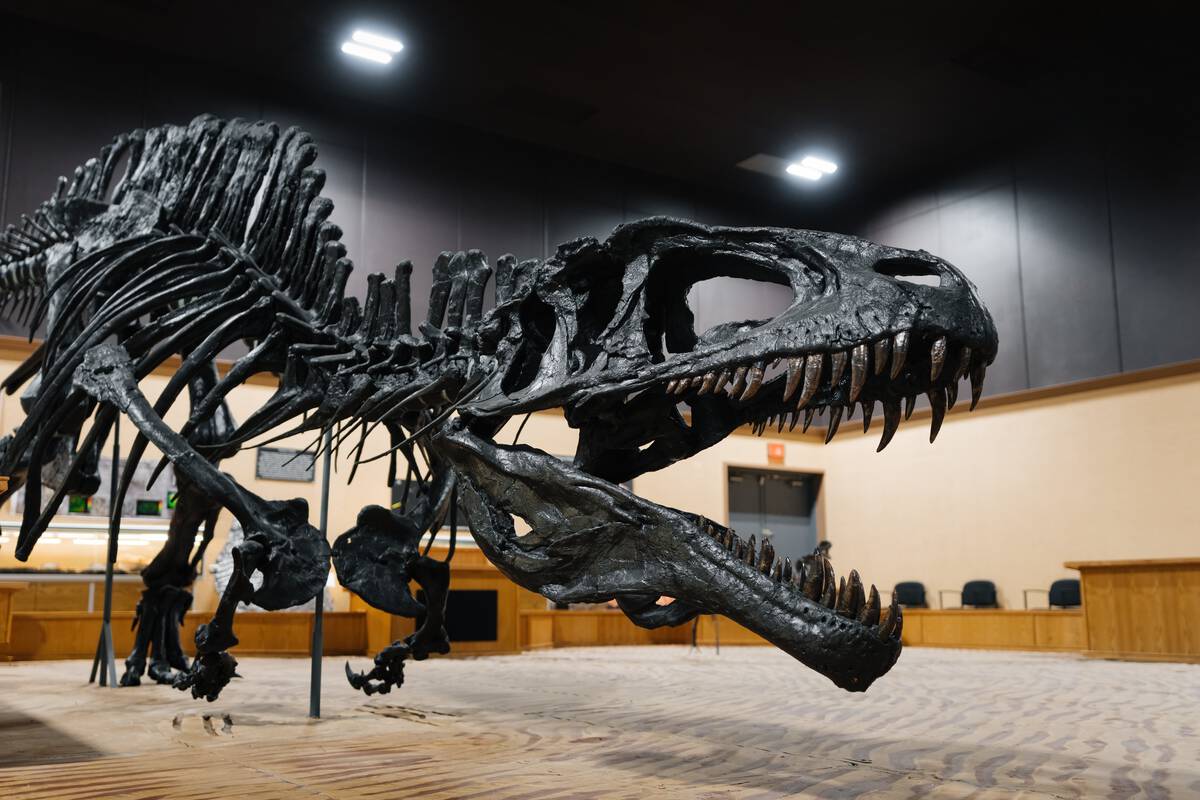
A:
x,y
1007,494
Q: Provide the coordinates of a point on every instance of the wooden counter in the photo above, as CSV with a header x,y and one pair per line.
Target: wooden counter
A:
x,y
39,635
1142,609
994,629
985,629
561,628
7,590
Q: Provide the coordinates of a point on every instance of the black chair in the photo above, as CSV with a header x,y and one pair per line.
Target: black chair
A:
x,y
978,594
1063,593
911,594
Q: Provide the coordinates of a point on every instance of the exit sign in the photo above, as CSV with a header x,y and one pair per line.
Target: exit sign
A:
x,y
774,452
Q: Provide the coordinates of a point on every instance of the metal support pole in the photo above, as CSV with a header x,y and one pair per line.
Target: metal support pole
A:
x,y
106,660
318,634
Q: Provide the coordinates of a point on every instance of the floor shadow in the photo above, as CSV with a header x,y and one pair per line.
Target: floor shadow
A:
x,y
27,741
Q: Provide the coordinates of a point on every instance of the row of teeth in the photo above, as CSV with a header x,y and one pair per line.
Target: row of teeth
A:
x,y
813,576
742,383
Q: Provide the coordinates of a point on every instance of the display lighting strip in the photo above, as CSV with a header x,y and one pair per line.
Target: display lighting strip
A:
x,y
91,534
372,47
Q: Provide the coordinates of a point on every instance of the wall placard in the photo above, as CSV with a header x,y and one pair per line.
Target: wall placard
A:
x,y
283,464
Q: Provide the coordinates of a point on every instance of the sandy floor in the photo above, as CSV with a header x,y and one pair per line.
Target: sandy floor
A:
x,y
617,722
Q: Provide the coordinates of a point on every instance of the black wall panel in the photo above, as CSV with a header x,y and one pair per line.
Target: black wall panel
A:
x,y
1066,265
1155,199
1093,268
978,235
410,211
59,122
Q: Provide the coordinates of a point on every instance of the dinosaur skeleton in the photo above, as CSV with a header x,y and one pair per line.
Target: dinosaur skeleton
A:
x,y
217,232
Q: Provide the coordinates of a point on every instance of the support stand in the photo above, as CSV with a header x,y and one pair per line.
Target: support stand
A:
x,y
318,634
105,661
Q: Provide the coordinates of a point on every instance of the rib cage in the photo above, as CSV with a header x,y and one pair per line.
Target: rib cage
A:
x,y
217,232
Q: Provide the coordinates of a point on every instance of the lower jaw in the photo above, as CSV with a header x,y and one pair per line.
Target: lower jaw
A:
x,y
501,482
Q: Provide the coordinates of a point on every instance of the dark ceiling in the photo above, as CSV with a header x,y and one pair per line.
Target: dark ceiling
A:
x,y
688,89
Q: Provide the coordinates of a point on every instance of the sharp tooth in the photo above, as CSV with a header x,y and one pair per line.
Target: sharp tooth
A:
x,y
753,382
842,604
891,621
837,365
977,375
813,577
850,598
671,387
899,353
964,363
937,403
812,378
793,418
750,557
849,412
739,549
910,403
951,394
883,349
722,379
727,539
770,422
767,558
835,419
858,597
782,420
829,596
682,385
868,412
937,358
870,611
795,371
787,569
858,370
739,381
891,421
710,378
809,413
777,573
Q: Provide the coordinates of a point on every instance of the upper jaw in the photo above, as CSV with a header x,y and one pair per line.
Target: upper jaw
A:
x,y
592,541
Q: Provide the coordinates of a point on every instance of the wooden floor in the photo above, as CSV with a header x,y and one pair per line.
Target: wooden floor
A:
x,y
621,722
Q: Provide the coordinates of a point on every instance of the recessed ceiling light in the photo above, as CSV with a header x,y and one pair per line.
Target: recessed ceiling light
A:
x,y
369,53
806,172
377,41
812,162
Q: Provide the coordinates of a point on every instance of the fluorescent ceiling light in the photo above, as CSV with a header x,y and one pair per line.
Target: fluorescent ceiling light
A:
x,y
369,53
820,164
379,42
803,171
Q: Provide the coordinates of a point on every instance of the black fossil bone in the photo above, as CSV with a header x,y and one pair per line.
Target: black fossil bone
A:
x,y
218,232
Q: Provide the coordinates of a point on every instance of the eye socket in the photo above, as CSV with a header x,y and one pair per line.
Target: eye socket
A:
x,y
724,302
538,323
909,270
671,324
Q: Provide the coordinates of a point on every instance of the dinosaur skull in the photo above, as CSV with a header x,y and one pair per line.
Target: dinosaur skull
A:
x,y
603,330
